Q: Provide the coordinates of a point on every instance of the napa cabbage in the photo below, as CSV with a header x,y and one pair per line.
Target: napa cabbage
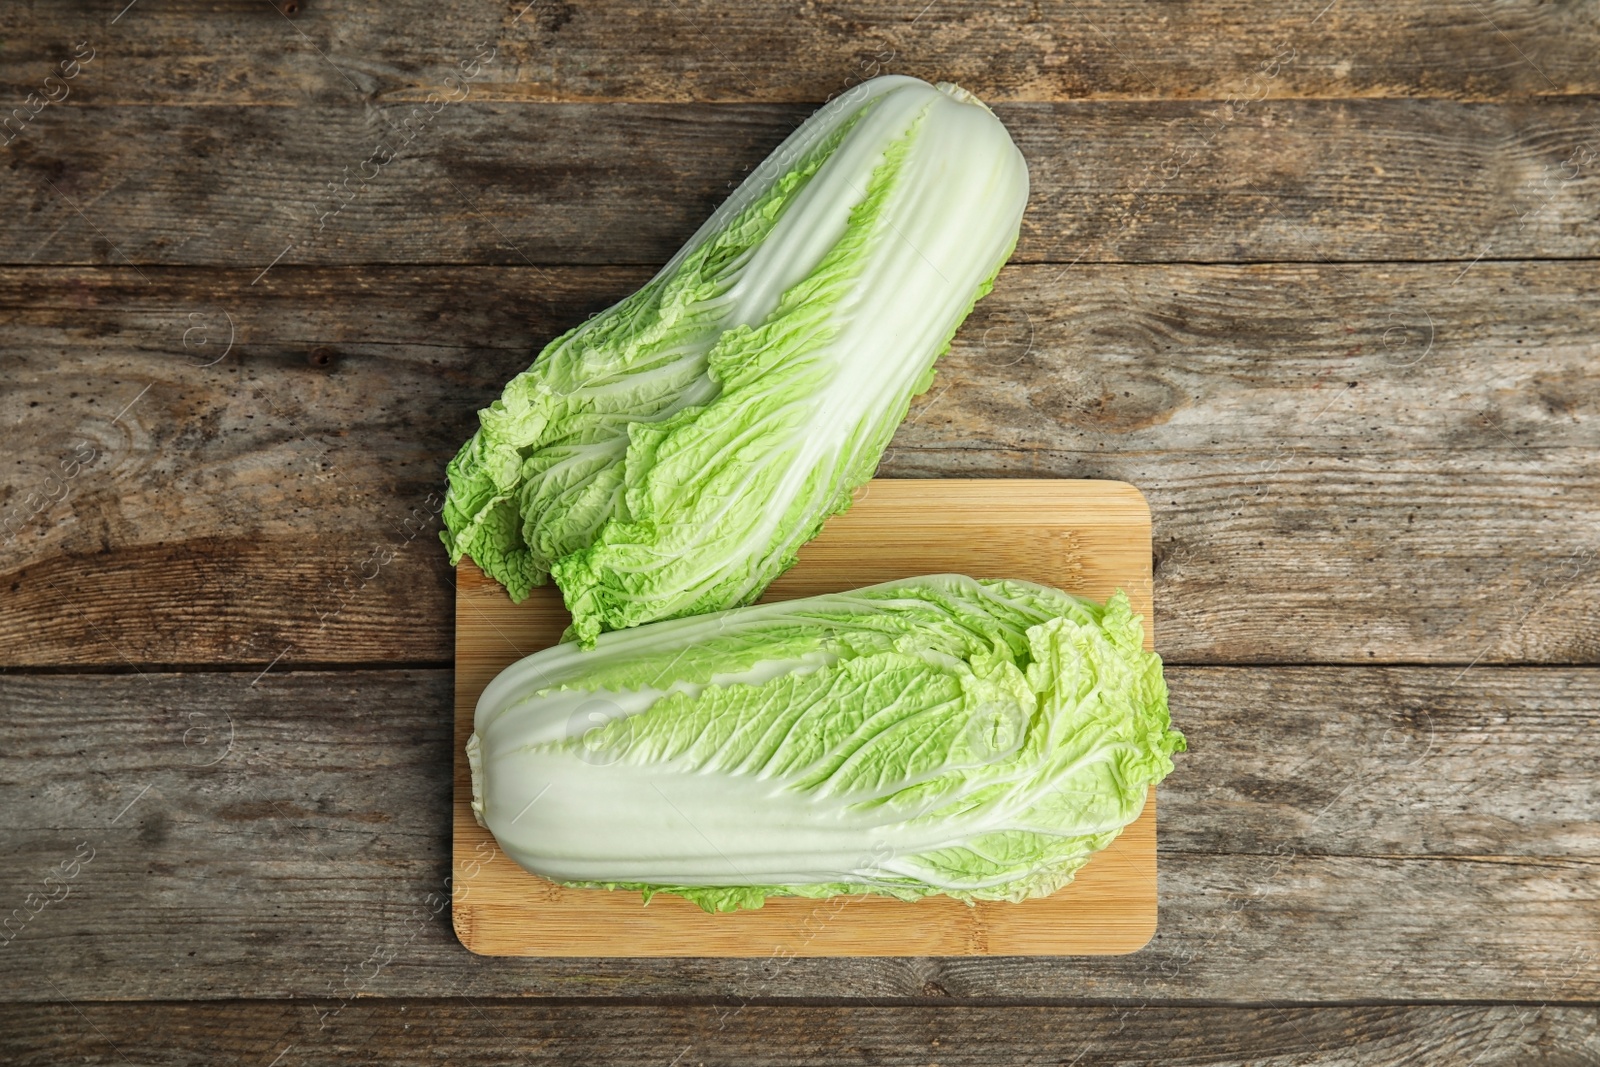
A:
x,y
670,456
938,735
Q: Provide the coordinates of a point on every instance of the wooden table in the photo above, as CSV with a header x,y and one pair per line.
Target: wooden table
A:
x,y
1319,277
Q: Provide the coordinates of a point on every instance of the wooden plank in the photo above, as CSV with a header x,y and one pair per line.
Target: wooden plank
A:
x,y
1384,762
1443,508
1309,852
1088,538
403,1032
341,52
1165,181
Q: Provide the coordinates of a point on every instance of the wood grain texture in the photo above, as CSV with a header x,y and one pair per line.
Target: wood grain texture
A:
x,y
1380,463
404,1032
344,52
1374,443
1087,538
1334,833
494,183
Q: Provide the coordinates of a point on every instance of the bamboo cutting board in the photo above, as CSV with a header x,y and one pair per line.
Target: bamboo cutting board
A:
x,y
1089,538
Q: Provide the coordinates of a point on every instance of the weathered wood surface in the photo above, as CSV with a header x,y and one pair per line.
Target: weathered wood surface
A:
x,y
1332,834
1157,181
403,1032
1393,463
244,51
1373,443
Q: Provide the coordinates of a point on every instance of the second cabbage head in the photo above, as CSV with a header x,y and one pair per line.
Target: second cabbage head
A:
x,y
670,456
979,739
